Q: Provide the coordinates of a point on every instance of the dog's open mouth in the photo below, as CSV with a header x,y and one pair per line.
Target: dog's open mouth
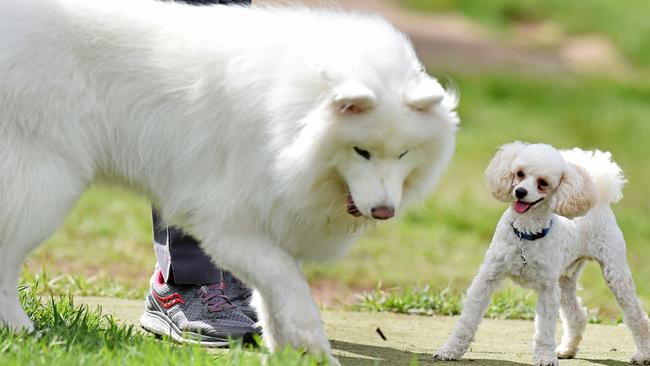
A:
x,y
521,206
352,208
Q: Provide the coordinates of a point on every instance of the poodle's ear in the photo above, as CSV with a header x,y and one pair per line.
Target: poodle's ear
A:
x,y
498,173
576,193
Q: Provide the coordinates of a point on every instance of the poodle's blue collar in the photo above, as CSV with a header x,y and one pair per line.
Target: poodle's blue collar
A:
x,y
531,237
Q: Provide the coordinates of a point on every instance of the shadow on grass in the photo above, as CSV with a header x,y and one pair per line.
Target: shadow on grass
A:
x,y
605,362
376,355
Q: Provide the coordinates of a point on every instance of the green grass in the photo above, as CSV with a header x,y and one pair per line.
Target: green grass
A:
x,y
79,285
106,241
77,335
624,22
508,304
428,301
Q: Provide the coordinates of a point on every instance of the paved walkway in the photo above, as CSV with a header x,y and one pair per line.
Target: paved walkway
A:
x,y
499,342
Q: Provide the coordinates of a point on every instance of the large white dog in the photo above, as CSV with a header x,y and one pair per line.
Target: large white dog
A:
x,y
273,135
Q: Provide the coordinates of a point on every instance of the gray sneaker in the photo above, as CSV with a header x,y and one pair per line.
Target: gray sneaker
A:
x,y
194,314
239,294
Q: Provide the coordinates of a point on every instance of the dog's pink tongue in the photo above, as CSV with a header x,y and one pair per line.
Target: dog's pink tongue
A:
x,y
521,207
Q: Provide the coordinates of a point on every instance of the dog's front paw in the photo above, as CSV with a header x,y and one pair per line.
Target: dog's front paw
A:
x,y
448,353
306,333
564,352
549,360
641,358
323,358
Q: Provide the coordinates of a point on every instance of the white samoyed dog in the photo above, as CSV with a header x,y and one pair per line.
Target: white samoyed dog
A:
x,y
272,135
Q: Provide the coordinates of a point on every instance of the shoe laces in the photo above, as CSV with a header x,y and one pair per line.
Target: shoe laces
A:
x,y
240,290
214,296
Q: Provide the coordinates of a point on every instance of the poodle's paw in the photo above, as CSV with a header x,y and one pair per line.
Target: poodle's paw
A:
x,y
448,353
565,352
545,360
641,358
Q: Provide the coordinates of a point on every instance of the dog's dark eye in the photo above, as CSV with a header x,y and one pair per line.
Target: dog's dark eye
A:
x,y
542,183
402,154
521,174
362,152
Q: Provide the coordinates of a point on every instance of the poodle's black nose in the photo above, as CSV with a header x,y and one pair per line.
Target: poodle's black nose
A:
x,y
520,193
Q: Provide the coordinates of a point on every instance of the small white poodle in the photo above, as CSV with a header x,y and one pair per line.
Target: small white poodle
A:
x,y
559,218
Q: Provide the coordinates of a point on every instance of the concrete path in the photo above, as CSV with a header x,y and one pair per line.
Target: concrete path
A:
x,y
498,342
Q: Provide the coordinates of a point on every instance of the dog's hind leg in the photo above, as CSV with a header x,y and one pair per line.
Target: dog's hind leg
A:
x,y
573,314
34,198
619,280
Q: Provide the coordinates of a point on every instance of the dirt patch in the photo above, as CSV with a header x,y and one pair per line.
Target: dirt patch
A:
x,y
331,294
593,54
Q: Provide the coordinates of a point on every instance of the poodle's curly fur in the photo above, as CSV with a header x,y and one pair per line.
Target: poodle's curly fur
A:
x,y
569,192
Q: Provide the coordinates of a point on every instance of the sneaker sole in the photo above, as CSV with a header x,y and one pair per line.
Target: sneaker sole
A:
x,y
157,323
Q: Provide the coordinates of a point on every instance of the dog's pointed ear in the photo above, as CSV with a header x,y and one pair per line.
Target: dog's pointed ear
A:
x,y
426,93
353,97
576,193
499,175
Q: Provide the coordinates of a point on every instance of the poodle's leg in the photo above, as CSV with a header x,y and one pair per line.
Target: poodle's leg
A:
x,y
620,282
288,314
548,305
474,307
573,314
33,204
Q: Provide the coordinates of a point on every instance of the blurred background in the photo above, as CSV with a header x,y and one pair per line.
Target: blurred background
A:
x,y
568,73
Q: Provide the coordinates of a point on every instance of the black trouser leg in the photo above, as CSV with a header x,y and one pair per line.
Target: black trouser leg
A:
x,y
180,258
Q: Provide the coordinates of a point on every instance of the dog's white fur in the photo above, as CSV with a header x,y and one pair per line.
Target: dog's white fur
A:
x,y
580,184
239,124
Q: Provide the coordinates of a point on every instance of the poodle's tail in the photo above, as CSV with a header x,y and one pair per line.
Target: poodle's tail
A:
x,y
606,174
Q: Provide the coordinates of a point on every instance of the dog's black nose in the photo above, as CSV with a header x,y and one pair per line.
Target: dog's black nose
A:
x,y
521,192
382,212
